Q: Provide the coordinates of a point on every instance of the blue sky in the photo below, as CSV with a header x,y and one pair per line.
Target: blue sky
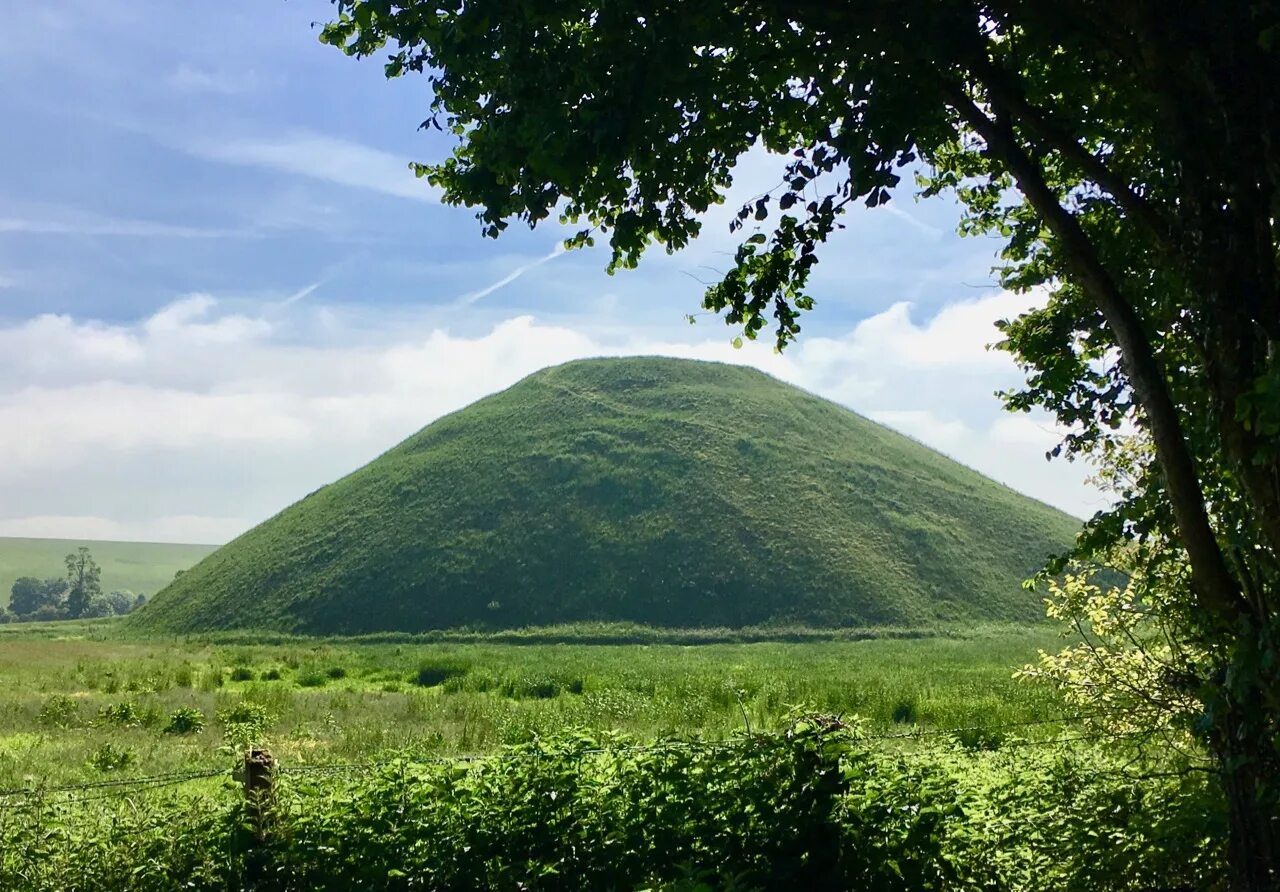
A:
x,y
221,287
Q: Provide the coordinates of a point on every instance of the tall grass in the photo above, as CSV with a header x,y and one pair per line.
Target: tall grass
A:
x,y
343,700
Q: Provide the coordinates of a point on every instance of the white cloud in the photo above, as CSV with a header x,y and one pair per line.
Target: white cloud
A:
x,y
321,158
206,417
186,79
115,226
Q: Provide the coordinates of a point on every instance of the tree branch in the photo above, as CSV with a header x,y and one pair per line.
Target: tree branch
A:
x,y
1003,91
1215,588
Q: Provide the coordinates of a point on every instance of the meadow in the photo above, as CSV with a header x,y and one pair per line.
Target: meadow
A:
x,y
563,759
583,756
81,702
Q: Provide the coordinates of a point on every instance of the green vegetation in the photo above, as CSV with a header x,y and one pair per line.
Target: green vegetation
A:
x,y
411,763
817,803
78,595
139,567
658,491
1126,159
342,700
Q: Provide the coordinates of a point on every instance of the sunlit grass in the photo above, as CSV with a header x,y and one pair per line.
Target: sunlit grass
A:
x,y
342,700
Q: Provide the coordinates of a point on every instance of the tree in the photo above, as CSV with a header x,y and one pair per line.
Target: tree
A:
x,y
83,580
1128,153
121,602
29,594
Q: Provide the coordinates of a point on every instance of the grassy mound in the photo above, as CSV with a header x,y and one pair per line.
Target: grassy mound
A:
x,y
657,491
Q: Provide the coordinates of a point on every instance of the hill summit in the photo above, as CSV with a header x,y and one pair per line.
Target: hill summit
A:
x,y
660,491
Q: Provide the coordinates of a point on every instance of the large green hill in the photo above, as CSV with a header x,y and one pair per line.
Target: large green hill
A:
x,y
140,567
659,491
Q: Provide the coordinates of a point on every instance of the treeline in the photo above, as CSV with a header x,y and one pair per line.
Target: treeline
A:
x,y
77,595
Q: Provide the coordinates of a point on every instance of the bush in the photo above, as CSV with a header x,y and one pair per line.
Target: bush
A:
x,y
111,758
212,680
242,673
47,613
904,713
244,723
272,674
429,675
187,720
810,807
59,711
531,688
976,739
336,672
313,679
124,714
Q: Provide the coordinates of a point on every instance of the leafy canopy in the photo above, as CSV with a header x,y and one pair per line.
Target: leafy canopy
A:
x,y
1128,154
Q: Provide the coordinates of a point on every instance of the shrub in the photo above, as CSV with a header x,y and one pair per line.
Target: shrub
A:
x,y
212,680
431,674
336,672
978,739
272,674
531,688
242,673
187,720
244,723
59,711
111,758
312,679
124,714
904,713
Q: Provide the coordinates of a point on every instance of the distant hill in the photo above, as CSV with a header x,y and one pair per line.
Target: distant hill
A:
x,y
660,491
140,567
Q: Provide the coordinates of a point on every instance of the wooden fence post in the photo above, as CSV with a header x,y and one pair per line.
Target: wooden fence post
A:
x,y
259,768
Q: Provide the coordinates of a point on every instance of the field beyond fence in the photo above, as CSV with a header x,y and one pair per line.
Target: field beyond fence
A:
x,y
904,763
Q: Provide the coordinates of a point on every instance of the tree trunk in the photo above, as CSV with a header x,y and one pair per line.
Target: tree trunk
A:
x,y
1250,767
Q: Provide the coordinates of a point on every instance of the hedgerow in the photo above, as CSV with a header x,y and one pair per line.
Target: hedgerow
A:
x,y
817,806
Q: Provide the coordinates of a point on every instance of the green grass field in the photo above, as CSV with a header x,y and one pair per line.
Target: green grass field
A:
x,y
590,766
140,567
66,700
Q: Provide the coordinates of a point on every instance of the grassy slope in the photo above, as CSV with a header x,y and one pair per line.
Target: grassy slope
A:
x,y
141,567
649,490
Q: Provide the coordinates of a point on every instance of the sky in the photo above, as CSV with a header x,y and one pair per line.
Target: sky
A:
x,y
221,287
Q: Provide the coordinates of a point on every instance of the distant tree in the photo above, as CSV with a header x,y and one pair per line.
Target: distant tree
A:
x,y
6,616
47,613
83,580
26,595
96,608
138,602
121,602
30,594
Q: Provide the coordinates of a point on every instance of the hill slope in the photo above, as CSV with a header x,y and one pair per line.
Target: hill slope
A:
x,y
661,491
140,567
